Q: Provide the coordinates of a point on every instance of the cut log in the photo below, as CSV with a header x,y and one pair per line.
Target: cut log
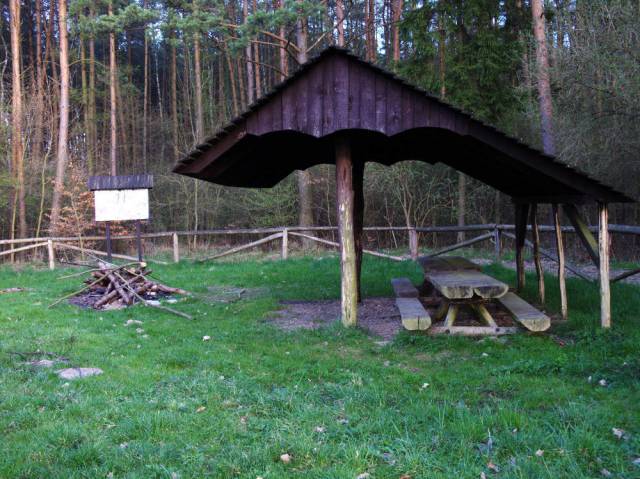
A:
x,y
404,288
413,315
471,330
524,313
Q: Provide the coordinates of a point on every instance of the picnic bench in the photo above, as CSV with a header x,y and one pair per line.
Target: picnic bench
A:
x,y
460,283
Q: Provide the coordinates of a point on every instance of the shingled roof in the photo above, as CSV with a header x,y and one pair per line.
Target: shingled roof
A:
x,y
386,120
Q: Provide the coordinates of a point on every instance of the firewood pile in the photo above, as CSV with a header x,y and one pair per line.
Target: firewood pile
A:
x,y
111,286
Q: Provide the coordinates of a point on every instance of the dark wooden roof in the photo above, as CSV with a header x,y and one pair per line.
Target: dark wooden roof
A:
x,y
120,182
387,120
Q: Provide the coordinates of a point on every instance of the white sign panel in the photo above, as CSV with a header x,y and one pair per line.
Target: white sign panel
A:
x,y
122,205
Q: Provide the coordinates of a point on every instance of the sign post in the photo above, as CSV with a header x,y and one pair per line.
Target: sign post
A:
x,y
121,198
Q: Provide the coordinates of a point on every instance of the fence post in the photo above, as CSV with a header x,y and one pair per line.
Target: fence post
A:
x,y
176,248
285,243
497,246
52,262
413,243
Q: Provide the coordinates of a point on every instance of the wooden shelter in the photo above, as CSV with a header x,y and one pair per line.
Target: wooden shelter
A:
x,y
338,109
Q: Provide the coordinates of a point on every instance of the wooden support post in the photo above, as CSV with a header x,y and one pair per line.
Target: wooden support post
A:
x,y
52,258
285,243
358,220
413,243
176,248
497,246
536,252
603,250
522,209
345,203
139,239
108,235
583,232
561,263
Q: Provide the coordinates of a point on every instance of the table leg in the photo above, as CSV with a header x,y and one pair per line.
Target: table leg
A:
x,y
482,312
451,315
441,311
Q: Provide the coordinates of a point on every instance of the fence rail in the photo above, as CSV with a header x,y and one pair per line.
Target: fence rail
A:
x,y
492,231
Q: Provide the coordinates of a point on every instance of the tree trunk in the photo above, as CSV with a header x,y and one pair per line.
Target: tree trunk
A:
x,y
249,56
372,48
396,16
145,95
198,88
544,83
63,130
17,148
305,190
112,95
340,22
92,134
174,98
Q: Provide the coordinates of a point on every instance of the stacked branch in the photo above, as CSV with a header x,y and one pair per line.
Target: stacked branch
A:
x,y
124,285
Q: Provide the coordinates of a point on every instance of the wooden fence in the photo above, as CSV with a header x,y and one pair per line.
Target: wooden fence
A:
x,y
494,233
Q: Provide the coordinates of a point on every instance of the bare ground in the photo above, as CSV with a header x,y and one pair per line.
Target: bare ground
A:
x,y
377,316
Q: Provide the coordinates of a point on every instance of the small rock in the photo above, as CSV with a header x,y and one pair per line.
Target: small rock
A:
x,y
75,373
605,472
132,321
153,302
603,383
172,300
539,453
285,458
139,330
201,409
424,386
485,355
364,475
206,338
619,433
124,445
381,343
387,363
320,429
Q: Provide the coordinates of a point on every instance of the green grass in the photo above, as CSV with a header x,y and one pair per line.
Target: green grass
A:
x,y
266,392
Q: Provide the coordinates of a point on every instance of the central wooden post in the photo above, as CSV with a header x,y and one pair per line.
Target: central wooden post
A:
x,y
358,220
345,199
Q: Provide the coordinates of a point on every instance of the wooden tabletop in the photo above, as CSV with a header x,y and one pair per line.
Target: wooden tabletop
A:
x,y
458,278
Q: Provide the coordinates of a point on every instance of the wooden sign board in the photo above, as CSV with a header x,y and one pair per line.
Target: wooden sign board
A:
x,y
121,205
121,198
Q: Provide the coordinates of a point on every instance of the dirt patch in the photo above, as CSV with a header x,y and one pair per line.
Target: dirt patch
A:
x,y
378,316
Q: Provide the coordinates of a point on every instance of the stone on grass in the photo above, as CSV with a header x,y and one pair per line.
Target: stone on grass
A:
x,y
285,458
132,321
75,373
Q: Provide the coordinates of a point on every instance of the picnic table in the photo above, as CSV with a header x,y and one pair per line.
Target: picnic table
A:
x,y
460,283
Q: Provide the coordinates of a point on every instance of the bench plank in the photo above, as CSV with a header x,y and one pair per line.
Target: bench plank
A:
x,y
404,288
524,313
414,316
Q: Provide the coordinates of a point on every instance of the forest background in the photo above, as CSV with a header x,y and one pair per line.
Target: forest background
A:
x,y
106,87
